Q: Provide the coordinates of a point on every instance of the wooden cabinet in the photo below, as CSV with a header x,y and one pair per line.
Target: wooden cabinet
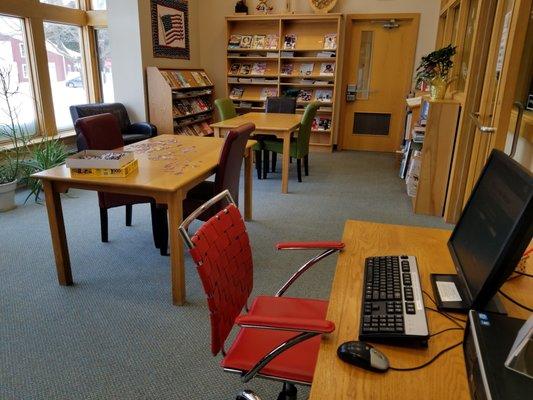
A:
x,y
180,101
286,55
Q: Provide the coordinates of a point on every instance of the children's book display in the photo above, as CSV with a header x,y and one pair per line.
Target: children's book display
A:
x,y
258,42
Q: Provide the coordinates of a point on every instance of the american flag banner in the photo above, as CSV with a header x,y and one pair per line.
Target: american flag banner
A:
x,y
174,28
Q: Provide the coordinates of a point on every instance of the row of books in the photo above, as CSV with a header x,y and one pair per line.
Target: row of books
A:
x,y
176,79
306,69
270,42
191,93
185,107
321,95
258,68
321,124
330,41
198,129
253,80
238,92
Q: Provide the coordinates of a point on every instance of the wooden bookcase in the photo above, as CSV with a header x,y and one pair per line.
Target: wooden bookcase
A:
x,y
180,101
437,155
268,67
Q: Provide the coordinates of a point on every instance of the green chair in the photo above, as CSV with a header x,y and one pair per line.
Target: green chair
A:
x,y
226,110
299,148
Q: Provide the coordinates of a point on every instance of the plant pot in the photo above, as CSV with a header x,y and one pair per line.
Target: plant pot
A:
x,y
7,196
437,89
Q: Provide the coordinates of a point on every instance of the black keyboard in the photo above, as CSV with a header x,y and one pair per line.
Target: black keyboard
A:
x,y
393,307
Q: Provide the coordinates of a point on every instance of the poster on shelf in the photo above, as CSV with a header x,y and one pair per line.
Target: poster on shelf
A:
x,y
170,28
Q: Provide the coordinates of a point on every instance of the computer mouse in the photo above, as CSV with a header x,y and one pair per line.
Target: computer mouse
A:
x,y
363,355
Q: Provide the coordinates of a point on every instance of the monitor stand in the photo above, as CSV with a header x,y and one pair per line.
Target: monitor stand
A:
x,y
450,295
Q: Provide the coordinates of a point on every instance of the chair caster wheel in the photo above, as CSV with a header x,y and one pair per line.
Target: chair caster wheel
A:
x,y
247,395
289,392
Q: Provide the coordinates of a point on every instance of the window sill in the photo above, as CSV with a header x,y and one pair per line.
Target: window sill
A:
x,y
64,135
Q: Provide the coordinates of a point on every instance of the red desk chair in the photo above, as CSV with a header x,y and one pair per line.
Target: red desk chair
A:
x,y
102,132
279,336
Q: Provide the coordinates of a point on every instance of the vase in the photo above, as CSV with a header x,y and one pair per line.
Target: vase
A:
x,y
7,196
437,88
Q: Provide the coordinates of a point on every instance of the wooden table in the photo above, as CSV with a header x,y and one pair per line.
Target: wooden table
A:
x,y
281,126
446,377
169,166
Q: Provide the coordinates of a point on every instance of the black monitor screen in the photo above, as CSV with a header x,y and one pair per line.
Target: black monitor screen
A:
x,y
495,227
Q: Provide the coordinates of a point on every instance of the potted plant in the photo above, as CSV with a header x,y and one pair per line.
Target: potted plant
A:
x,y
11,154
434,69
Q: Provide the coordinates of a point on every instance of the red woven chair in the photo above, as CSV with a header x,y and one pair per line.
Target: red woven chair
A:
x,y
102,132
279,336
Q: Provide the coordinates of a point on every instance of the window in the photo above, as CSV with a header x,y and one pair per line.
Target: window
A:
x,y
16,95
467,45
22,49
65,65
99,4
63,3
104,65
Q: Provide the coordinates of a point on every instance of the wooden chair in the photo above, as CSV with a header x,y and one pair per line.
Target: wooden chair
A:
x,y
279,336
102,132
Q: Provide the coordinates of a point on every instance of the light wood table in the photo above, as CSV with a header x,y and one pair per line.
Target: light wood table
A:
x,y
281,126
169,165
446,377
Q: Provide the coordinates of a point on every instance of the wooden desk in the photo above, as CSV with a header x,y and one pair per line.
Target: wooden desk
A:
x,y
168,167
280,125
446,377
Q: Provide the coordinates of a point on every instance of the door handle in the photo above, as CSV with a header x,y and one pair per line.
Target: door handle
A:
x,y
483,129
516,133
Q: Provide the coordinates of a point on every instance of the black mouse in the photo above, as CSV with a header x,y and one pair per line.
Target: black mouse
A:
x,y
363,355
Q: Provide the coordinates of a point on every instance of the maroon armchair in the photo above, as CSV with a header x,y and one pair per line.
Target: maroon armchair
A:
x,y
227,177
102,132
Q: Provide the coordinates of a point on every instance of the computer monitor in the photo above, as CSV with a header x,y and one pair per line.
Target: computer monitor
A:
x,y
490,237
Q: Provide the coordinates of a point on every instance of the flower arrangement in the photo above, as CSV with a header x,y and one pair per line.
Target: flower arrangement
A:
x,y
434,69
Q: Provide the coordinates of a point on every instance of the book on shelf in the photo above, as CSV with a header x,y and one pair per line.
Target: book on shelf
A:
x,y
181,79
325,54
327,69
246,42
198,78
324,95
234,69
321,124
268,92
258,42
245,69
236,93
287,54
289,42
259,68
234,42
307,68
271,42
206,78
304,95
330,41
286,69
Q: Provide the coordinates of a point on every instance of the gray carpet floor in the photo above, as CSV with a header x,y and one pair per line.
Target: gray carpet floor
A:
x,y
115,334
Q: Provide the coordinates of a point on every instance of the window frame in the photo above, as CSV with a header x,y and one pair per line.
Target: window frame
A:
x,y
34,14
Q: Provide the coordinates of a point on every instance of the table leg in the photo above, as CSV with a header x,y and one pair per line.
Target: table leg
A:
x,y
57,231
285,163
216,132
248,171
177,269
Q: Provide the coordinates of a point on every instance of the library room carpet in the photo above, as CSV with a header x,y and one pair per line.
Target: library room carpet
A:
x,y
115,334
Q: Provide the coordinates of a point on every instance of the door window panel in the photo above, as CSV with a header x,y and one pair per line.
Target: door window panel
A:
x,y
65,65
467,45
16,94
363,65
104,65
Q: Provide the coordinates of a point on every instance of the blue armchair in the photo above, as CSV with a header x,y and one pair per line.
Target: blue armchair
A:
x,y
131,133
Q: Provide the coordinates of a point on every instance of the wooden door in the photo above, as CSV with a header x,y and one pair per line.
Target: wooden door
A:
x,y
379,59
501,77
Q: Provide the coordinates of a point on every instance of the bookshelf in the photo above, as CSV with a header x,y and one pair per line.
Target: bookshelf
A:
x,y
286,55
431,135
180,100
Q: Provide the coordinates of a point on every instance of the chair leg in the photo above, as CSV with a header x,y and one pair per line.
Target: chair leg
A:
x,y
299,168
129,213
258,162
155,225
103,224
306,165
274,161
162,223
289,392
265,163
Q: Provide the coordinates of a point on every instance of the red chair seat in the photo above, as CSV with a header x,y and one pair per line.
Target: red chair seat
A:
x,y
296,364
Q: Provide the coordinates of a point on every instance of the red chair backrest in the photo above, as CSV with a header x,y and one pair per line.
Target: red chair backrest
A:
x,y
223,257
101,132
229,166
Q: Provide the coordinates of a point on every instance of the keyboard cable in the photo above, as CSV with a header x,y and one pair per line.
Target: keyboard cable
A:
x,y
450,317
435,357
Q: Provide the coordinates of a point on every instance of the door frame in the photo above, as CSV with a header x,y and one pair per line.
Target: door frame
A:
x,y
349,20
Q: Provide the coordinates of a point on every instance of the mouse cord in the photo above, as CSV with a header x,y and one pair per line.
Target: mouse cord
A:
x,y
451,317
515,302
446,330
440,353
